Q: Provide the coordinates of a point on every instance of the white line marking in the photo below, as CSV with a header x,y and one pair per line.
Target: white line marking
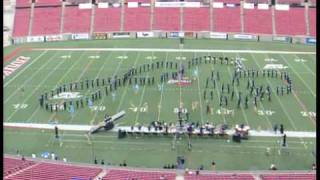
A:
x,y
22,70
175,50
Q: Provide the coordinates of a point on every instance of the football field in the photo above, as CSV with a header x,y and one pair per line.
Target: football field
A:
x,y
44,70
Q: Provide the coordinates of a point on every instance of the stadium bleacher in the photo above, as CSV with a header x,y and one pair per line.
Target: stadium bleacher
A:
x,y
218,177
291,176
252,16
44,171
46,21
11,165
23,3
137,19
167,19
107,19
47,2
226,19
196,19
312,21
76,20
290,22
129,174
21,22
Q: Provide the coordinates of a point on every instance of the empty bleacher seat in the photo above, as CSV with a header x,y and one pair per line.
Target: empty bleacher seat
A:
x,y
107,19
196,19
137,19
141,175
48,171
291,176
23,3
47,2
46,21
167,19
312,21
21,22
219,177
226,19
11,165
257,21
290,22
76,20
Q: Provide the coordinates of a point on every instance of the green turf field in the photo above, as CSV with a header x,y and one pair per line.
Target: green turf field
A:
x,y
48,69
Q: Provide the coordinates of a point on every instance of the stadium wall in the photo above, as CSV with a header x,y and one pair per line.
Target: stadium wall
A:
x,y
161,34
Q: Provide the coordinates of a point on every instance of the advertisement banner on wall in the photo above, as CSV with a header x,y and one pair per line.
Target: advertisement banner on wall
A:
x,y
80,36
100,36
178,4
173,35
54,38
188,34
35,39
145,34
281,38
311,41
263,6
244,36
217,35
121,35
248,5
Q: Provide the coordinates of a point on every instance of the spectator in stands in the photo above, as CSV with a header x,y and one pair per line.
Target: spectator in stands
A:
x,y
273,167
213,164
198,171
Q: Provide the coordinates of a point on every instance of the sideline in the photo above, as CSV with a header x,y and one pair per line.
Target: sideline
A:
x,y
74,127
174,50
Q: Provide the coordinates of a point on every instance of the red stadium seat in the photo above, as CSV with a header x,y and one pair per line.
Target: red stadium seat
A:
x,y
196,19
290,22
141,175
21,22
137,19
107,19
312,21
46,21
166,19
76,20
252,16
226,19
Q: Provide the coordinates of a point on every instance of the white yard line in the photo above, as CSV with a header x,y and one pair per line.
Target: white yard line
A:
x,y
176,50
244,114
303,81
199,92
307,67
25,68
64,75
114,73
13,94
162,89
86,128
217,90
282,106
38,86
126,88
141,99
